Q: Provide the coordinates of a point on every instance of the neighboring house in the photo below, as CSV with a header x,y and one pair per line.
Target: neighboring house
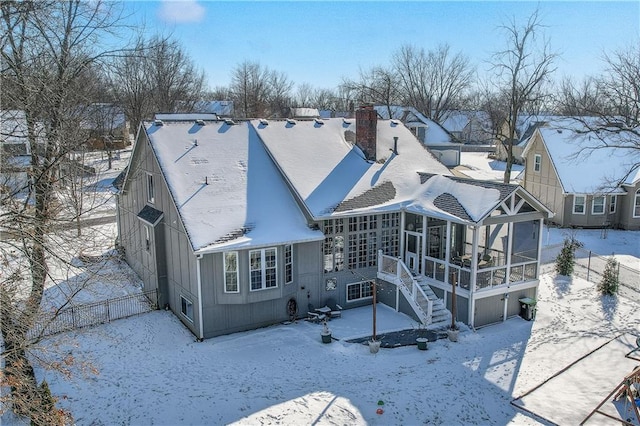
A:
x,y
244,224
429,132
107,126
576,186
15,151
223,109
525,126
469,127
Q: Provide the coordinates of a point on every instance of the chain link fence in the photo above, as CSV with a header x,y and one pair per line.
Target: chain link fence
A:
x,y
591,266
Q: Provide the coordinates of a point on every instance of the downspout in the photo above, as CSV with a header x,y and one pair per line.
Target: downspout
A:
x,y
474,272
540,231
200,321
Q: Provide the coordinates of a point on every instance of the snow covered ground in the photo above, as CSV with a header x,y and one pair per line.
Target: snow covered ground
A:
x,y
150,370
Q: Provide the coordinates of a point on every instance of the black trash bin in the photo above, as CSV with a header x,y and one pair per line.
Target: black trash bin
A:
x,y
527,308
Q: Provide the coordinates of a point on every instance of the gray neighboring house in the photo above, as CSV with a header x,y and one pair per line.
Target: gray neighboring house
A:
x,y
469,127
582,190
241,224
434,136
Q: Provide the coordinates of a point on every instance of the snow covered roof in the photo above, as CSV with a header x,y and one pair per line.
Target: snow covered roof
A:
x,y
221,108
330,174
188,116
435,134
591,171
456,121
102,116
227,190
304,112
454,198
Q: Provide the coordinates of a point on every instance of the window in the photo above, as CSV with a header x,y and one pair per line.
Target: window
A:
x,y
636,204
147,237
612,203
186,307
231,272
597,207
333,249
358,291
537,162
263,269
578,204
288,264
150,189
390,240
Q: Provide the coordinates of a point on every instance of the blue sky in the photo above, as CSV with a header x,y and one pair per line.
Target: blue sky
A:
x,y
322,42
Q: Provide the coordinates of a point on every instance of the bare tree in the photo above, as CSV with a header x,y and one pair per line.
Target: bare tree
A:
x,y
583,98
432,81
613,120
46,49
258,91
156,76
522,69
377,85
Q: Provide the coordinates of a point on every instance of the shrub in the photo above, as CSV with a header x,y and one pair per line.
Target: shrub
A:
x,y
566,260
609,283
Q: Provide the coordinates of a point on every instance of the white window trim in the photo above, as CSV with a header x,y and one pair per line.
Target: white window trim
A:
x,y
593,205
147,237
635,203
263,268
290,263
360,283
537,162
584,204
224,262
613,204
151,189
189,303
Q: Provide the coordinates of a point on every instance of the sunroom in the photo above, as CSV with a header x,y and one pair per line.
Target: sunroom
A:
x,y
482,237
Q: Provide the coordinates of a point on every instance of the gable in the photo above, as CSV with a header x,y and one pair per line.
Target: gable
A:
x,y
225,188
325,168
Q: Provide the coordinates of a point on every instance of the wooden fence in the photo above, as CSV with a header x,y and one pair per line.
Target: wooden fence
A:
x,y
89,314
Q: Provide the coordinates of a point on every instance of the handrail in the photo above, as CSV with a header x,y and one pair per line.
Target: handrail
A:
x,y
395,267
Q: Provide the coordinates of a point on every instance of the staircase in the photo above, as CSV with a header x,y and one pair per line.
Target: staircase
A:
x,y
440,315
428,308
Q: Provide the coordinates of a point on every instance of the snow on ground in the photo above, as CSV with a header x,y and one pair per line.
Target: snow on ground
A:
x,y
477,165
150,370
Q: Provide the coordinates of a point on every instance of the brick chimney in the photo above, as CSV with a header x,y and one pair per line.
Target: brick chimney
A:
x,y
366,129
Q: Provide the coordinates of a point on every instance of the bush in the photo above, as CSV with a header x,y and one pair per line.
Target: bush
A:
x,y
566,260
609,283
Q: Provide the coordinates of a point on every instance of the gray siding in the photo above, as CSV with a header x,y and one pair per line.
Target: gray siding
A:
x,y
169,265
626,207
225,313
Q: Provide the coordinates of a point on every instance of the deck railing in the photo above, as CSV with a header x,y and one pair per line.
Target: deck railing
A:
x,y
394,270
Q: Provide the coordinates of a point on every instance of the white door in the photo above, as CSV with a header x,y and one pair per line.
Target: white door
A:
x,y
413,241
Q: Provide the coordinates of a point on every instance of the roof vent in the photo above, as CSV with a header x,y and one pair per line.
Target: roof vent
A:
x,y
200,122
264,122
291,121
345,121
229,122
158,123
319,121
395,122
559,130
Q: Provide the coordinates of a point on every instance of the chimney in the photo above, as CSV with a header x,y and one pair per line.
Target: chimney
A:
x,y
366,129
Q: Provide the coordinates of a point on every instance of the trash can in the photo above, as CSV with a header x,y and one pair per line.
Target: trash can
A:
x,y
527,308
